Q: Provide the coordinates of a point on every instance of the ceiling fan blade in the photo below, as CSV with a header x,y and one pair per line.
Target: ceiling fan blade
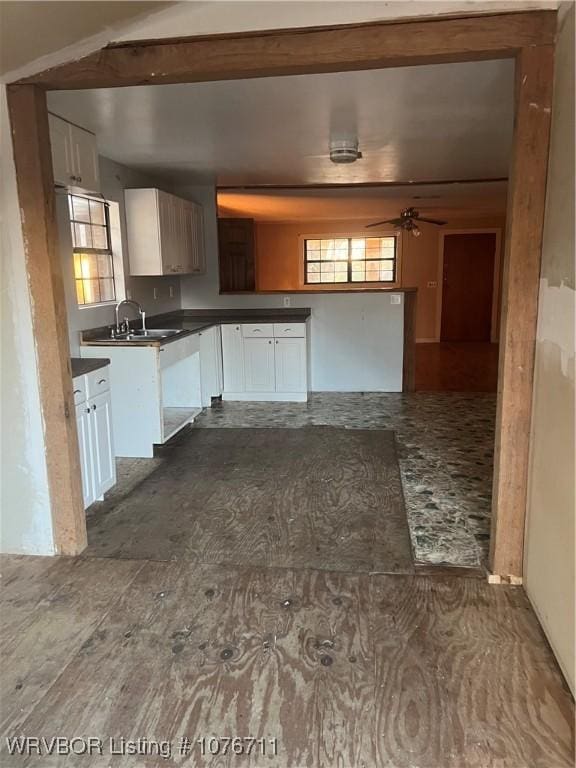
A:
x,y
396,223
431,221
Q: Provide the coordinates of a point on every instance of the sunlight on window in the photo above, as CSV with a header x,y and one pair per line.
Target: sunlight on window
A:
x,y
93,262
350,260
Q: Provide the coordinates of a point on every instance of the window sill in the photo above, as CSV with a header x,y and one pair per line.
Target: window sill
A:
x,y
97,306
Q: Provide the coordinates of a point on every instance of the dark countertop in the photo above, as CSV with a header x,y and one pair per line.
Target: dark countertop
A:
x,y
82,365
193,321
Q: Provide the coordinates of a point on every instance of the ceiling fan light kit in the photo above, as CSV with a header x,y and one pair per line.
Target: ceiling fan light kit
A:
x,y
407,221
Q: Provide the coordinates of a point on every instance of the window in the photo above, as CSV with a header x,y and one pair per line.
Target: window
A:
x,y
350,260
93,262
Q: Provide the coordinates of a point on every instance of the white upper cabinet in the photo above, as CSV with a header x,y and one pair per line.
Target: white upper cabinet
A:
x,y
74,155
165,233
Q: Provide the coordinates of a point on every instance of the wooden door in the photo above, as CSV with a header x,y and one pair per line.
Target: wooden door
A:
x,y
259,365
236,255
467,289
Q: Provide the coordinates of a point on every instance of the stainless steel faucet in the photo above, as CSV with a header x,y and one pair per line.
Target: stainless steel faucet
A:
x,y
138,307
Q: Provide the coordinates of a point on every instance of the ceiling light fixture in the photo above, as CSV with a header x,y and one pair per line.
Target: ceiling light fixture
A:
x,y
344,151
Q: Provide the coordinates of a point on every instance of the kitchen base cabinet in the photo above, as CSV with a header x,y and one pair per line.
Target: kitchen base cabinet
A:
x,y
85,449
95,439
210,364
104,462
259,365
156,391
290,365
265,362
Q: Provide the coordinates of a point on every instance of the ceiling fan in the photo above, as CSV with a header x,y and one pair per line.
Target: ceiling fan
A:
x,y
407,221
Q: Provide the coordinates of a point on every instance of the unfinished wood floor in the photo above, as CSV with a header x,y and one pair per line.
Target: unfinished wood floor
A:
x,y
316,497
344,670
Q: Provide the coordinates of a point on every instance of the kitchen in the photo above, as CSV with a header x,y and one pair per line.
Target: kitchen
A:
x,y
284,533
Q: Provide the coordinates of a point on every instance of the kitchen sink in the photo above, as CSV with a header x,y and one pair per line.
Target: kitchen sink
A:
x,y
152,333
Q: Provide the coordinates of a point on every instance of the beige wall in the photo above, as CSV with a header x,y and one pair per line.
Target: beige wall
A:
x,y
549,552
279,259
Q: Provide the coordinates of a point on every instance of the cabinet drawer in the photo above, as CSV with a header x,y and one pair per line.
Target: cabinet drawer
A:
x,y
257,330
290,330
79,389
97,382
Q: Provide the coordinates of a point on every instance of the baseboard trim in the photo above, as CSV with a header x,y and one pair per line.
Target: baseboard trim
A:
x,y
266,397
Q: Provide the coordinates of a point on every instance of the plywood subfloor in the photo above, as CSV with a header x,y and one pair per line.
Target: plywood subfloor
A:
x,y
344,670
316,497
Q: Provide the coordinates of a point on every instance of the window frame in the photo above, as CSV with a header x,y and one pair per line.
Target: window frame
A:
x,y
78,250
349,285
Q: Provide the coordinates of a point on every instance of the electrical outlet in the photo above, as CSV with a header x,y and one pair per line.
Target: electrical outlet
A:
x,y
171,289
286,301
155,292
395,298
431,284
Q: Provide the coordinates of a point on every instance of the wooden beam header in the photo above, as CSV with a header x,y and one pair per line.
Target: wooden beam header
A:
x,y
304,51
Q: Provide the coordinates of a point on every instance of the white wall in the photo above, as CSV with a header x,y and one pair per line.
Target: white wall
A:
x,y
549,552
25,517
115,178
357,339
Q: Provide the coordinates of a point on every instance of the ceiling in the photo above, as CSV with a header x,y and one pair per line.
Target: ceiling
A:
x,y
446,201
426,123
32,29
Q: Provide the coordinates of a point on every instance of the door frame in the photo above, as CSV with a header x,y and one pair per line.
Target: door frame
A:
x,y
496,277
528,37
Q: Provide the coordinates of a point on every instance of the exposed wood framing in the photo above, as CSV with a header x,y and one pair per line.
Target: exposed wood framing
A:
x,y
409,355
527,36
29,121
520,284
304,51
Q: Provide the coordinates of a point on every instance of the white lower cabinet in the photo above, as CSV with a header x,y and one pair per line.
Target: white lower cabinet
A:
x,y
95,439
259,365
265,362
83,429
210,364
290,365
104,463
233,358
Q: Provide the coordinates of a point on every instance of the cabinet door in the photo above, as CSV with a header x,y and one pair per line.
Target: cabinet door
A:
x,y
83,429
290,361
236,255
102,443
167,227
210,365
233,358
62,163
85,159
259,365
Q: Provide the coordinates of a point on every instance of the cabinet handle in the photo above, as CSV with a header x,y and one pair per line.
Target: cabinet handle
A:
x,y
78,178
237,327
269,342
256,330
77,391
87,410
276,342
101,381
94,407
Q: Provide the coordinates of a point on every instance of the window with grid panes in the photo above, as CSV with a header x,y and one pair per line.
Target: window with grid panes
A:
x,y
350,260
93,261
